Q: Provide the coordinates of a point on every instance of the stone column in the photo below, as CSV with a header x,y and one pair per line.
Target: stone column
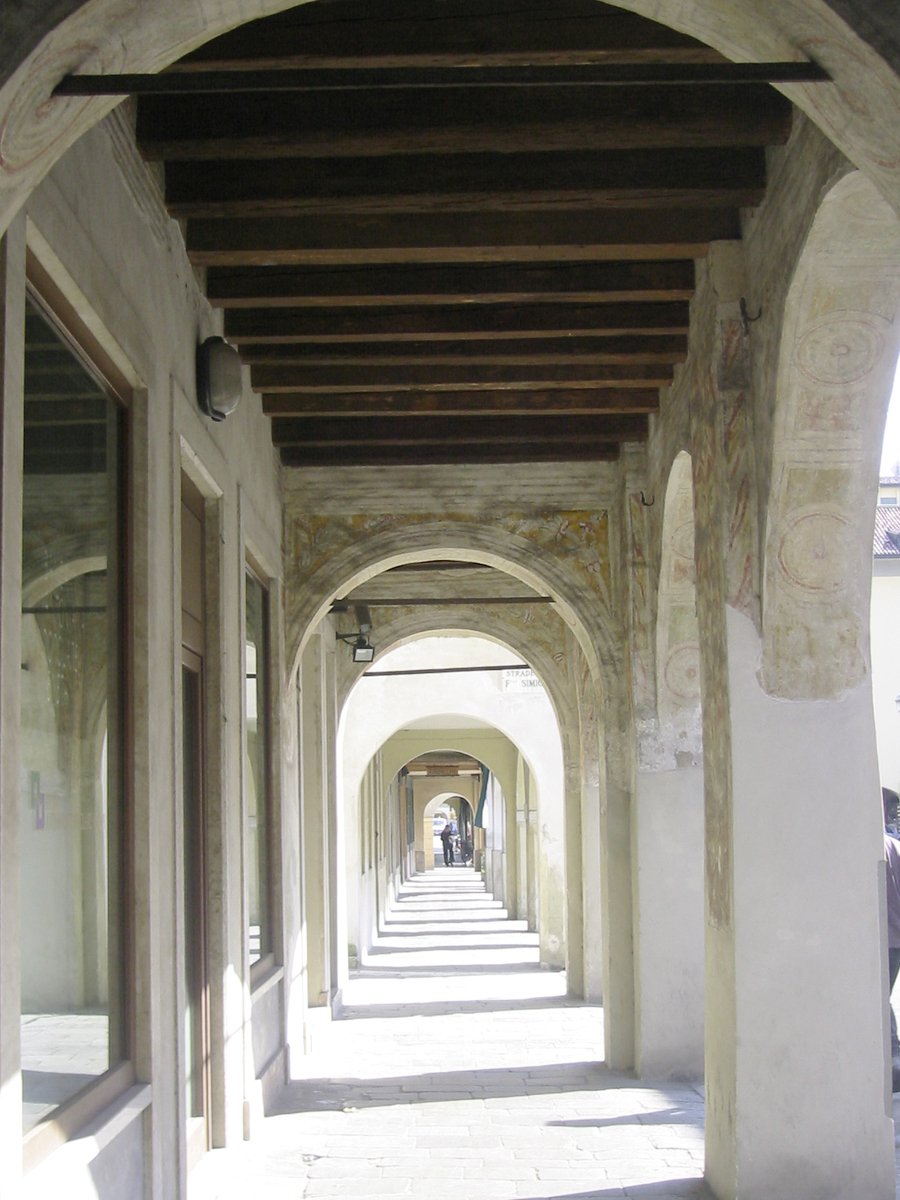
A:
x,y
574,882
589,782
293,900
797,1087
797,1083
333,821
313,822
669,923
12,349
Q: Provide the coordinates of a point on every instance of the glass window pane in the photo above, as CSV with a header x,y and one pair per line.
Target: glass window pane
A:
x,y
257,773
73,1019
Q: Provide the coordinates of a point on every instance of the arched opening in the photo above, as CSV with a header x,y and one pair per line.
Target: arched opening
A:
x,y
669,824
453,737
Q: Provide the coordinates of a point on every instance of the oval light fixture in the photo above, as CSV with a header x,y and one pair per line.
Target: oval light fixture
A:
x,y
219,383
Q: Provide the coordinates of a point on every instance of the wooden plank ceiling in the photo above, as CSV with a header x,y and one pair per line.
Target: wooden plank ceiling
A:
x,y
425,259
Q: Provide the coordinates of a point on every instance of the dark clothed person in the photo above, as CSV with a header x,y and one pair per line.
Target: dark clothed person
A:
x,y
447,842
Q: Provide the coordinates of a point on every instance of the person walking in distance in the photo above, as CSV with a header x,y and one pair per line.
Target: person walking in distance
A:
x,y
447,843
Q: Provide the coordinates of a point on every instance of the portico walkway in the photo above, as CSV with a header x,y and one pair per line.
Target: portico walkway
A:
x,y
460,1069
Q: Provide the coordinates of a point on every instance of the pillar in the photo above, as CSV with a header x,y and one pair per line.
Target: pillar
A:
x,y
574,893
669,923
798,1101
313,822
12,349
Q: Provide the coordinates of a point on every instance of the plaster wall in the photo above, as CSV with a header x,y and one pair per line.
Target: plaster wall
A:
x,y
669,924
884,631
808,892
97,229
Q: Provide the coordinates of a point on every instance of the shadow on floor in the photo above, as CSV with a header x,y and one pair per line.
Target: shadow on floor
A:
x,y
465,948
444,1008
312,1095
446,970
679,1114
665,1189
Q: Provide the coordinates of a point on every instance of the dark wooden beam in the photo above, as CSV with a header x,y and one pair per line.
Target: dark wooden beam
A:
x,y
411,79
374,431
405,33
277,378
460,237
287,325
485,402
456,121
706,178
608,282
442,453
629,349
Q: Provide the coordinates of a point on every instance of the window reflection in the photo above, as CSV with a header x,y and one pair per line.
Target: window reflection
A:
x,y
71,718
257,779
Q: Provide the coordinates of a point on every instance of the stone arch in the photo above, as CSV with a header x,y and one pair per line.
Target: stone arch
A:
x,y
440,801
549,555
523,630
677,634
857,111
839,346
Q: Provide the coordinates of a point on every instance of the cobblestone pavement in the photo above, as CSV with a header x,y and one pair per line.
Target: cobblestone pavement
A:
x,y
460,1069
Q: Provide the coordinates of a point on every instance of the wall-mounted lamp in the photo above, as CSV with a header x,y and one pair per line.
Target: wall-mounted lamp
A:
x,y
363,650
219,383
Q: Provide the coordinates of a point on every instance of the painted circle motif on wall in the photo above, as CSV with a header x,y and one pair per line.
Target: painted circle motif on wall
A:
x,y
682,673
683,539
842,349
812,553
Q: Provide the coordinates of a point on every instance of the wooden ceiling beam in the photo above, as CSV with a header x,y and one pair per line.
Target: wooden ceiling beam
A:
x,y
374,431
447,454
606,282
485,402
403,33
278,378
630,349
629,234
719,178
286,325
459,121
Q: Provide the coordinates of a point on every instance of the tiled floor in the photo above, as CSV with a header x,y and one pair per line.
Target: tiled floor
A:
x,y
460,1069
61,1054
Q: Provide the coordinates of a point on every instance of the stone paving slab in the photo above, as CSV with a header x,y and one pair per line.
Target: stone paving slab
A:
x,y
469,1085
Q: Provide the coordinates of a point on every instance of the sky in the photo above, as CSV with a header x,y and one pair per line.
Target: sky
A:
x,y
890,453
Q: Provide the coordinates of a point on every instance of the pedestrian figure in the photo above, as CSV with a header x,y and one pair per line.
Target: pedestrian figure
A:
x,y
467,849
447,842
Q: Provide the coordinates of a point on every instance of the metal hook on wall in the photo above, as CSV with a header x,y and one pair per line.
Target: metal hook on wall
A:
x,y
746,319
647,503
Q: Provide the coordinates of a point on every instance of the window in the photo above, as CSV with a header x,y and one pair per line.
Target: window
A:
x,y
74,865
258,791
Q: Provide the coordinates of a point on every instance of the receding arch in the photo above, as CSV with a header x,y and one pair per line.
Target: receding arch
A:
x,y
506,737
839,347
571,581
677,634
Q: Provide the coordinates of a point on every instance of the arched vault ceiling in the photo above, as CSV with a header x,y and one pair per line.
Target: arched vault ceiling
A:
x,y
424,255
427,257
